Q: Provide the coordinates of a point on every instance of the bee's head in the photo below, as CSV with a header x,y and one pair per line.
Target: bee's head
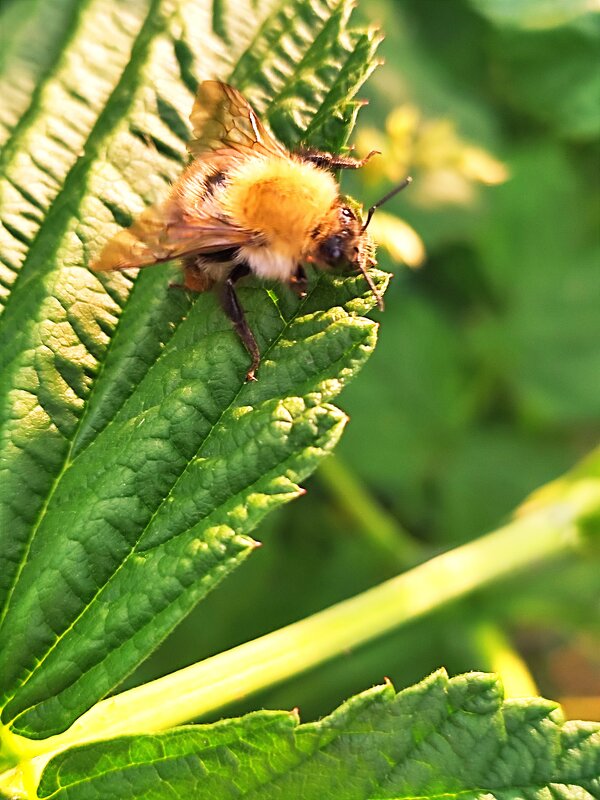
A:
x,y
341,241
336,237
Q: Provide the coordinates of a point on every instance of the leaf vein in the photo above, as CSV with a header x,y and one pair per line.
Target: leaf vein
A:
x,y
40,660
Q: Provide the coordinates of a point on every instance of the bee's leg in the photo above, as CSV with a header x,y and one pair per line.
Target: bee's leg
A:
x,y
233,309
330,161
299,281
371,284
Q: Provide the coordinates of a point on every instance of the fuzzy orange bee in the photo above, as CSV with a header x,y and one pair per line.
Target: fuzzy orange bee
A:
x,y
246,205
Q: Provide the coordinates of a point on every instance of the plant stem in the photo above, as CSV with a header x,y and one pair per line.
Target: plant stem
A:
x,y
381,528
497,654
254,665
547,531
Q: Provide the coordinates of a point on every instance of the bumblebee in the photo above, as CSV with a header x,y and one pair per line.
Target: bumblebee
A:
x,y
245,205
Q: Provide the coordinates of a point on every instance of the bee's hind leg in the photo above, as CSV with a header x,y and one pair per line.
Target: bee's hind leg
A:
x,y
233,309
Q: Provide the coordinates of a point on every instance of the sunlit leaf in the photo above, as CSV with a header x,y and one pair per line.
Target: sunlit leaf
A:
x,y
134,458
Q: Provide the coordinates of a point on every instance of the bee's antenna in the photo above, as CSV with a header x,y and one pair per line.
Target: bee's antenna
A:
x,y
406,182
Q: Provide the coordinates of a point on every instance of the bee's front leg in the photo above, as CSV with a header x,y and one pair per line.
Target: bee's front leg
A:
x,y
364,268
333,162
233,309
299,281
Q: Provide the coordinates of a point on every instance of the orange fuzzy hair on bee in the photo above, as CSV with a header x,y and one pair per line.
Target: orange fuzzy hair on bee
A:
x,y
283,198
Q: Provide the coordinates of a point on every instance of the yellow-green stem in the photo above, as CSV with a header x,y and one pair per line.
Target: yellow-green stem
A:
x,y
498,655
378,526
386,535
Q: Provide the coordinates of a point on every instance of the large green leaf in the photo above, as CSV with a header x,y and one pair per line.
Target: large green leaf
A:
x,y
134,459
440,739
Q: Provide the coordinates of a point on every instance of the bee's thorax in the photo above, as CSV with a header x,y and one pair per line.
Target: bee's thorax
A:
x,y
281,199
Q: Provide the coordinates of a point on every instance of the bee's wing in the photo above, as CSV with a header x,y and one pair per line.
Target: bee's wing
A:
x,y
225,130
223,120
164,232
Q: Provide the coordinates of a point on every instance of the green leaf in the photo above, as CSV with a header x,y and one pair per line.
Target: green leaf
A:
x,y
440,738
134,459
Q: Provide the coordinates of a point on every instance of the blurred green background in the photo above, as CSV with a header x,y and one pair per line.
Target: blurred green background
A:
x,y
486,380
